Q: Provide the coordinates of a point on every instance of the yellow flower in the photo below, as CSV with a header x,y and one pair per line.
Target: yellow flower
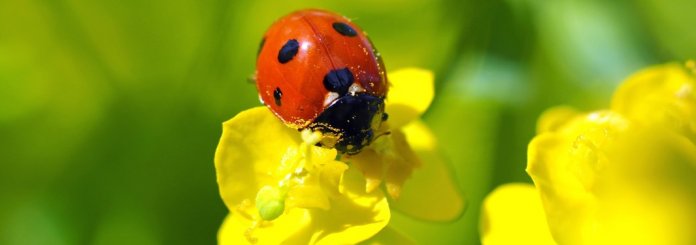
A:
x,y
282,189
512,214
662,96
620,176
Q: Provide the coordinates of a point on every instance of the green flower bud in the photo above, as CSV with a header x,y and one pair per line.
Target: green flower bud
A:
x,y
270,201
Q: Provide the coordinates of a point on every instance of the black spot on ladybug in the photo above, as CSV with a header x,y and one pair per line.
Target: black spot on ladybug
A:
x,y
338,81
277,95
263,41
288,51
344,29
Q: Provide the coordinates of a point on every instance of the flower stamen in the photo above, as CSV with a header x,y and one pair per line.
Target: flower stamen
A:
x,y
301,170
248,233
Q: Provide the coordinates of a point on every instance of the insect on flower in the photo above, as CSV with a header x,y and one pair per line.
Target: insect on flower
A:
x,y
319,74
318,70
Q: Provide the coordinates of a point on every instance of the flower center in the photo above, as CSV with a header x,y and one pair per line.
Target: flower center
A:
x,y
308,175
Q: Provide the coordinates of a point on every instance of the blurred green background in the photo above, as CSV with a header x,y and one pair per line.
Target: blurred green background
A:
x,y
110,111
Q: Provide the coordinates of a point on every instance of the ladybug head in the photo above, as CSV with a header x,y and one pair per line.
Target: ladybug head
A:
x,y
350,122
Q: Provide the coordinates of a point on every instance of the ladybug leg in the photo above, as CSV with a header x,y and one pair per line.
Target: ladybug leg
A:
x,y
251,78
386,133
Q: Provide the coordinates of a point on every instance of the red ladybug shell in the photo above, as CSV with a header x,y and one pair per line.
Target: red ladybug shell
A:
x,y
298,53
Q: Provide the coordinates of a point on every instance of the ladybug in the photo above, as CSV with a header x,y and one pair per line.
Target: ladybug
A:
x,y
316,69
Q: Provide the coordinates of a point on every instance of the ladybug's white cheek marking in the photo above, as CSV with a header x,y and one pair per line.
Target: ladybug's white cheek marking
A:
x,y
330,98
355,88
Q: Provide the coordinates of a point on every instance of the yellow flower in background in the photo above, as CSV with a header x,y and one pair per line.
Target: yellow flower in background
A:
x,y
662,96
282,189
512,214
621,176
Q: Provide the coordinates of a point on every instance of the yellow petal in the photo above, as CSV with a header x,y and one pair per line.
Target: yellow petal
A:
x,y
226,234
372,167
513,214
388,236
318,155
410,93
662,96
308,196
352,218
237,229
331,176
563,165
251,148
553,119
604,179
431,192
400,165
316,188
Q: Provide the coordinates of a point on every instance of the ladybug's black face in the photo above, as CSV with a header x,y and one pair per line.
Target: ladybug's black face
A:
x,y
351,118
